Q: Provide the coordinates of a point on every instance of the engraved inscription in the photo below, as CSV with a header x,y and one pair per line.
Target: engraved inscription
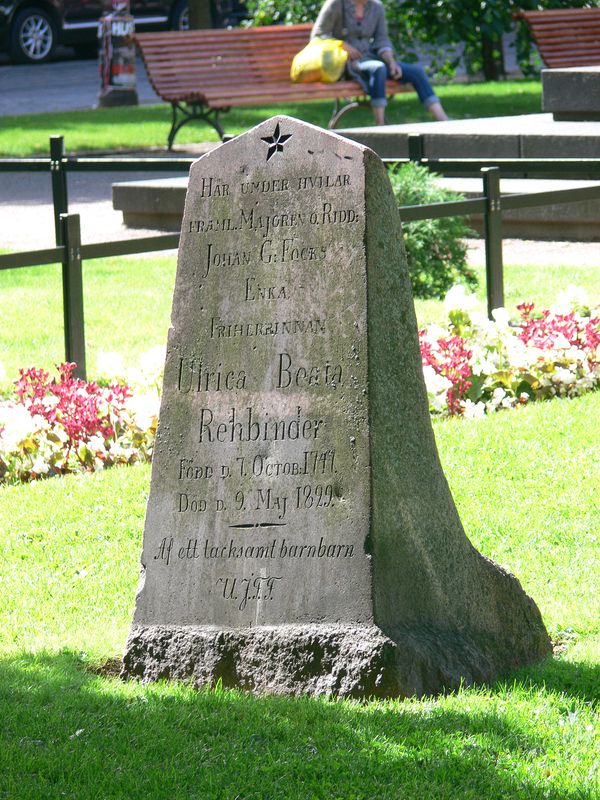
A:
x,y
256,292
248,426
252,220
230,258
263,498
314,462
228,330
306,376
248,589
213,187
195,376
232,550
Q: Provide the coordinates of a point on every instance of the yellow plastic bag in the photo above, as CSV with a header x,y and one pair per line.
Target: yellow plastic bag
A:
x,y
321,60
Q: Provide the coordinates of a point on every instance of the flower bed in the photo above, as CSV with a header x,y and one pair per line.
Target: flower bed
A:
x,y
476,366
59,424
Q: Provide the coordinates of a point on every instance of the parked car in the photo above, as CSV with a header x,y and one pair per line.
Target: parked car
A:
x,y
30,30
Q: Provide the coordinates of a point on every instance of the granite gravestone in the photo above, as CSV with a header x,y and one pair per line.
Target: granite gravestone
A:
x,y
300,535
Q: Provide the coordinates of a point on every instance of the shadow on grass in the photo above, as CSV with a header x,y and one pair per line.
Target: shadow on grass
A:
x,y
575,679
69,733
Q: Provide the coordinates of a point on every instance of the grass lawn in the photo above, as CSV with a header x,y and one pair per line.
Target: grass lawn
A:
x,y
140,289
524,482
148,126
526,485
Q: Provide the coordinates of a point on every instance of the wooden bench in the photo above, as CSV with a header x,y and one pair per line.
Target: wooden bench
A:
x,y
566,37
204,73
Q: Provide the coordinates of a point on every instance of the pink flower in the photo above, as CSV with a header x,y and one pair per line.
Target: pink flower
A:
x,y
81,408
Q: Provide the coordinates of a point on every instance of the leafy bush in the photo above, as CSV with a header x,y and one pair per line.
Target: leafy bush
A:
x,y
435,248
273,12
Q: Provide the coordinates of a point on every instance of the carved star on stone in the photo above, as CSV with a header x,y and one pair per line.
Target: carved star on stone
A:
x,y
276,141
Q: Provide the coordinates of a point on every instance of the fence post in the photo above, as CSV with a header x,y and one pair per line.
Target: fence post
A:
x,y
59,184
72,280
416,147
492,222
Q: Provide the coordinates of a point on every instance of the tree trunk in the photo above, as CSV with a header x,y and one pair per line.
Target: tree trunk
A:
x,y
200,14
492,58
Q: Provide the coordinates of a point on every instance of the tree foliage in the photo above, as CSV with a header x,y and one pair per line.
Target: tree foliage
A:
x,y
200,14
436,250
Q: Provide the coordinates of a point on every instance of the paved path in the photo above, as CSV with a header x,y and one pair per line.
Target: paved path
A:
x,y
58,86
26,213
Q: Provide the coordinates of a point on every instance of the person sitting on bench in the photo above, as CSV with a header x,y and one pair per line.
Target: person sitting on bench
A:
x,y
362,26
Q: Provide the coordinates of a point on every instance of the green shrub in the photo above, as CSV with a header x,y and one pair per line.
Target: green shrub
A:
x,y
435,248
273,12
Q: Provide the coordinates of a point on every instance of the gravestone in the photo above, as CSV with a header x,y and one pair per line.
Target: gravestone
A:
x,y
300,535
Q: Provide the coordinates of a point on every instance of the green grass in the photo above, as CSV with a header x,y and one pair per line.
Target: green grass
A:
x,y
524,482
148,126
123,290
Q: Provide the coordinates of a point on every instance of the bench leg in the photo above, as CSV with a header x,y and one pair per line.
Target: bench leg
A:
x,y
339,110
181,115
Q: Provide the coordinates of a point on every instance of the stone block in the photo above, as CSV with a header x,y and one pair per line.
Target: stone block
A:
x,y
300,535
572,94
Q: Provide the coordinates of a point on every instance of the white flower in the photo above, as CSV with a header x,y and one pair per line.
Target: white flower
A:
x,y
480,320
17,424
40,467
144,409
435,332
96,444
152,362
117,451
519,356
501,317
473,410
457,299
483,362
575,355
585,383
110,366
497,399
561,342
565,376
50,400
570,299
435,382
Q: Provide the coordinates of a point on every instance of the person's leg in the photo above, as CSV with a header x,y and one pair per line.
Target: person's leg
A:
x,y
374,73
415,74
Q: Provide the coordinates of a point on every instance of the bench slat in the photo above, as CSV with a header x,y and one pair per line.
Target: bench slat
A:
x,y
214,70
565,37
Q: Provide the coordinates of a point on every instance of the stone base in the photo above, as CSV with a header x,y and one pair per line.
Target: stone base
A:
x,y
576,116
335,660
118,97
572,94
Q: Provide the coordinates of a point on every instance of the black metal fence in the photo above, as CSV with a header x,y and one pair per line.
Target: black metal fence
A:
x,y
70,252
